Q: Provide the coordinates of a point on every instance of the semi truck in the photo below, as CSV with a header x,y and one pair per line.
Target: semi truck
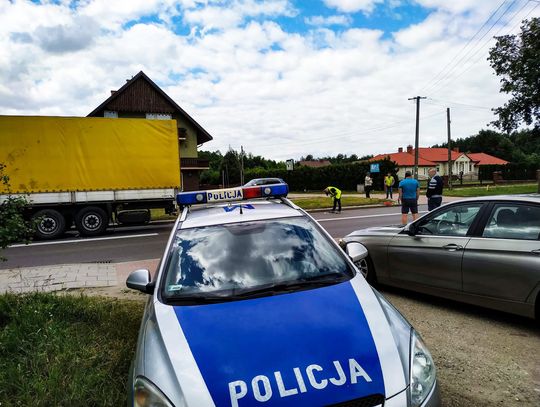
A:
x,y
87,172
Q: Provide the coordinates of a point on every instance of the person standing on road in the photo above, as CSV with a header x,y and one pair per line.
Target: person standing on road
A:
x,y
388,184
368,184
434,189
409,191
335,193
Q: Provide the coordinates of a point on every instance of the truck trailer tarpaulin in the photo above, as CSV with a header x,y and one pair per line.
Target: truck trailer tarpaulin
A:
x,y
62,154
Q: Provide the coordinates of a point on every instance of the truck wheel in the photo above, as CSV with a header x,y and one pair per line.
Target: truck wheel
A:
x,y
49,223
91,221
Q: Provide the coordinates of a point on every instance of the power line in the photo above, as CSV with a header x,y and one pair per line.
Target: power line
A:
x,y
487,43
347,134
445,103
430,89
464,47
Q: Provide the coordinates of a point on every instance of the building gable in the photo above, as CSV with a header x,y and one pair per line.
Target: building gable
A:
x,y
141,95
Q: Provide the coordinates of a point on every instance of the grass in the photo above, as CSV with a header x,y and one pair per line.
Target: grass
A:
x,y
159,214
326,202
492,190
66,350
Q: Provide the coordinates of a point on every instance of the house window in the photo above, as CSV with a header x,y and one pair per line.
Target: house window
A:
x,y
158,116
110,114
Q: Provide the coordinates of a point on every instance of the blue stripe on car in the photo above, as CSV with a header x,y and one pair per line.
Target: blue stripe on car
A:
x,y
310,348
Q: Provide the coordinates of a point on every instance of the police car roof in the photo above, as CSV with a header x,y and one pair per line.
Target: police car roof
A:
x,y
252,210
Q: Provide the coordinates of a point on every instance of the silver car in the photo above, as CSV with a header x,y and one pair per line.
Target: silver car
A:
x,y
254,304
483,251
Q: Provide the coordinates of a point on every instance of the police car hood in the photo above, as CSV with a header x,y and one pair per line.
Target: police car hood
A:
x,y
313,347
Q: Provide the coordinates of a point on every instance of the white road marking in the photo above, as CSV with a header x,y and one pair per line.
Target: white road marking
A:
x,y
84,240
363,216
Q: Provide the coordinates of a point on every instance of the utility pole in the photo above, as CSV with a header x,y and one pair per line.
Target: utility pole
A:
x,y
417,98
449,148
241,165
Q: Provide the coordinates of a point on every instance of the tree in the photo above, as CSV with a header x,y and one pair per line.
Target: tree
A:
x,y
13,227
230,167
516,59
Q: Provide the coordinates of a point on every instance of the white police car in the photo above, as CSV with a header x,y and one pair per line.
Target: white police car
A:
x,y
254,304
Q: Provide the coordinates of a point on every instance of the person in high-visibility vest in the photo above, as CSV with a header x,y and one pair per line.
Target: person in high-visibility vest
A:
x,y
388,184
336,194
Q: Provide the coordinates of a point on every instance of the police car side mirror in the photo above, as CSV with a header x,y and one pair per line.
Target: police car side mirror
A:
x,y
356,251
140,280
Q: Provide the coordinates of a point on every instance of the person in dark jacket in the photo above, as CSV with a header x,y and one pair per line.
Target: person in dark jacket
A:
x,y
434,190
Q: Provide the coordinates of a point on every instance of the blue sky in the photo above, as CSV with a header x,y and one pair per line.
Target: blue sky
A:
x,y
283,78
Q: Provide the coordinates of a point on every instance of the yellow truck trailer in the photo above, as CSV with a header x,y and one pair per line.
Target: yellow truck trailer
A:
x,y
84,170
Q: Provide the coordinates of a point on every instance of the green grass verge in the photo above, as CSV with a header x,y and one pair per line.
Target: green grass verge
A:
x,y
325,202
66,350
492,190
159,214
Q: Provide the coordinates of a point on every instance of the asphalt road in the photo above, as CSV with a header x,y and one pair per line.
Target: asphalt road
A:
x,y
121,244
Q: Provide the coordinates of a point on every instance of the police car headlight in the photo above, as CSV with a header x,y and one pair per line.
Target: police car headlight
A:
x,y
146,394
422,371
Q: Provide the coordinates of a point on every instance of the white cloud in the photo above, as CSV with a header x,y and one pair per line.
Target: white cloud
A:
x,y
328,21
353,6
253,83
228,14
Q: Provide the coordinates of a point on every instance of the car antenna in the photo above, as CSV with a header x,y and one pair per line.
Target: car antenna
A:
x,y
241,211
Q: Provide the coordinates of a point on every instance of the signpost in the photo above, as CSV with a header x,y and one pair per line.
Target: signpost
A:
x,y
374,168
290,164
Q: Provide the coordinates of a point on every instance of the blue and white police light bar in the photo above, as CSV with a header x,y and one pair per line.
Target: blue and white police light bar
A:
x,y
232,194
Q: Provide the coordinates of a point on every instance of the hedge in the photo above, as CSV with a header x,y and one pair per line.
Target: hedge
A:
x,y
343,176
509,171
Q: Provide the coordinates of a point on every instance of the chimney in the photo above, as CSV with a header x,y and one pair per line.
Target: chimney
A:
x,y
400,150
456,149
409,149
113,92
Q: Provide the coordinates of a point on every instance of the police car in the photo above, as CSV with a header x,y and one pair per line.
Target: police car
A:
x,y
254,304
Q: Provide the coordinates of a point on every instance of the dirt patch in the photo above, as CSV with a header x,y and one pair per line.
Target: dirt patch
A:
x,y
484,358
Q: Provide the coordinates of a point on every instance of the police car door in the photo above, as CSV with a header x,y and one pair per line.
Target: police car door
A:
x,y
434,254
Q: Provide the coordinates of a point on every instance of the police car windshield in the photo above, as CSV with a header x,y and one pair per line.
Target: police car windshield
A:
x,y
229,261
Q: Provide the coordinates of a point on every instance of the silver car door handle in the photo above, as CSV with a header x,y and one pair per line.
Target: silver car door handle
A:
x,y
452,247
537,251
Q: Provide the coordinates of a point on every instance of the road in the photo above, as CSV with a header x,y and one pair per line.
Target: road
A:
x,y
122,244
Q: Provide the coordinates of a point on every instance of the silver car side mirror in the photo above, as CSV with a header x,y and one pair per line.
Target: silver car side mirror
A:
x,y
140,280
356,251
410,229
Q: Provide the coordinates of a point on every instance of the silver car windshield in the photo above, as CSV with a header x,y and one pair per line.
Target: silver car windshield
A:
x,y
235,259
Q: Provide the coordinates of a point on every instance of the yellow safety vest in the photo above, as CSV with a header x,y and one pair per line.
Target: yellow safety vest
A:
x,y
337,193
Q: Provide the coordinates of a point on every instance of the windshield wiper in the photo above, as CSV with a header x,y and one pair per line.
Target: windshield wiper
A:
x,y
286,287
267,289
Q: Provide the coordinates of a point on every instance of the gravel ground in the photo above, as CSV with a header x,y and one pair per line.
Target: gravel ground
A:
x,y
483,357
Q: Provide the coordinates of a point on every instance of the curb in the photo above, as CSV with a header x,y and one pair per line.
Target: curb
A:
x,y
343,208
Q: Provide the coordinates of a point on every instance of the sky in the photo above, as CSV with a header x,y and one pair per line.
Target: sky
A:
x,y
282,78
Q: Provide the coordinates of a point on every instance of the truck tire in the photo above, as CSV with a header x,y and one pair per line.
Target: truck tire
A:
x,y
91,221
49,223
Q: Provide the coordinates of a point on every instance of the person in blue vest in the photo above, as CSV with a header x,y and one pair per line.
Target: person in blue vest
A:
x,y
335,193
409,191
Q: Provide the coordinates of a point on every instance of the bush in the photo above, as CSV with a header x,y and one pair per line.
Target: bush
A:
x,y
509,171
343,176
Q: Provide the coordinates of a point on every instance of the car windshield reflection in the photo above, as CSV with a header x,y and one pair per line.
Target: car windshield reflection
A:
x,y
226,261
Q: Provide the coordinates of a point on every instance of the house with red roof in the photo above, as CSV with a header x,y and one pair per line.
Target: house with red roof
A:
x,y
315,163
428,157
